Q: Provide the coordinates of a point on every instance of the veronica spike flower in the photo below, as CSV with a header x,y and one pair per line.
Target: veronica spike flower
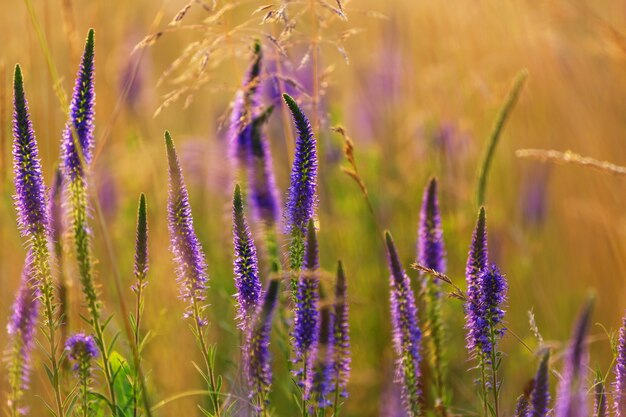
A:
x,y
540,395
246,268
33,221
407,335
571,397
431,253
600,408
264,195
341,338
306,316
476,262
78,136
76,149
521,406
82,350
619,385
21,329
190,262
302,198
245,108
324,367
258,363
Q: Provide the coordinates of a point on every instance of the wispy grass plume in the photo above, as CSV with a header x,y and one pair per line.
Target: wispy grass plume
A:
x,y
494,137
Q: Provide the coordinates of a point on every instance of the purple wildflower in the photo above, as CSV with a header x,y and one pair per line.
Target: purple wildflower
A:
x,y
30,192
521,406
430,249
341,337
246,268
476,262
302,198
258,363
431,253
571,396
620,373
540,395
324,367
487,325
600,408
407,335
534,195
81,348
185,246
306,320
245,108
21,329
80,127
264,195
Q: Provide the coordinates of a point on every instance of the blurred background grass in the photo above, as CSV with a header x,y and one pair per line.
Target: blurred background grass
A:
x,y
418,98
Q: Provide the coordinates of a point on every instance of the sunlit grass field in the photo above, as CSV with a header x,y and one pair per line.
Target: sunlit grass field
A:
x,y
417,86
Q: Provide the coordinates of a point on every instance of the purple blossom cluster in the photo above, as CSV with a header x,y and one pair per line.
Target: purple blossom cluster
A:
x,y
246,268
22,327
78,136
407,336
184,243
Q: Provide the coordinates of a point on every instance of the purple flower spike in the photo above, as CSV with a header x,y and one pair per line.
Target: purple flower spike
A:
x,y
620,373
307,320
341,336
80,127
600,408
476,262
540,396
30,192
245,108
258,363
571,399
431,251
302,197
493,295
521,406
245,265
21,329
264,195
407,335
185,246
323,378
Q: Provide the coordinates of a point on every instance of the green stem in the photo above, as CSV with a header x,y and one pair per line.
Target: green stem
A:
x,y
137,356
83,254
197,318
483,387
46,286
494,369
